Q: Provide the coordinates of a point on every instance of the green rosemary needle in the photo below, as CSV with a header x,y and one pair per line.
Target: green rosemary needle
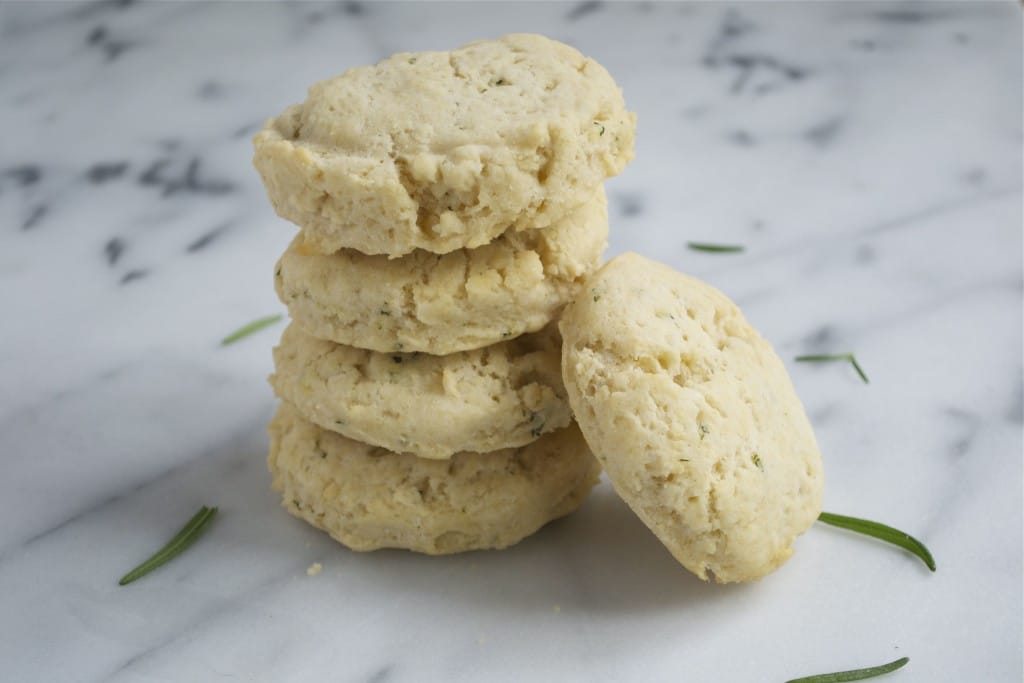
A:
x,y
177,545
825,358
882,532
246,330
715,248
855,674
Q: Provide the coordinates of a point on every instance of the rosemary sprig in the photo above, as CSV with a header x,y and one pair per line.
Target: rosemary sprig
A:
x,y
828,357
882,532
177,545
855,674
715,248
246,330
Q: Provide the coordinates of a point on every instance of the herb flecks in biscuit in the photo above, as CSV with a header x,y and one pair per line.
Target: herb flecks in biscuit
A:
x,y
500,396
694,418
446,150
369,498
442,304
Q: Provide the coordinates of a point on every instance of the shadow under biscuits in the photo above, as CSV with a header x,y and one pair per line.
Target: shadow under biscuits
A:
x,y
599,561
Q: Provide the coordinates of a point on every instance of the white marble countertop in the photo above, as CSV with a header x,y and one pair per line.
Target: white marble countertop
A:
x,y
867,155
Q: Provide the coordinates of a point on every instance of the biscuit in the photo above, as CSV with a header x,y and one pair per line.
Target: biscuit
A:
x,y
445,150
441,304
369,498
500,396
693,416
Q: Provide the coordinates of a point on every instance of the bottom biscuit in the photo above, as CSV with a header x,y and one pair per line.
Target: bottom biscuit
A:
x,y
369,498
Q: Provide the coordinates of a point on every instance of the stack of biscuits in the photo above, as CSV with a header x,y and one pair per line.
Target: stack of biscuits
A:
x,y
450,205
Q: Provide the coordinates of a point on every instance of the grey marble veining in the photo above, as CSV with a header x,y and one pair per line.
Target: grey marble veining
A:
x,y
867,155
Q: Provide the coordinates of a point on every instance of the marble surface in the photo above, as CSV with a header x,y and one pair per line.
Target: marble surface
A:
x,y
867,155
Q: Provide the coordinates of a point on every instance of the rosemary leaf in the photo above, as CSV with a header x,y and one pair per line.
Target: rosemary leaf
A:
x,y
246,330
826,358
882,532
177,545
855,674
714,248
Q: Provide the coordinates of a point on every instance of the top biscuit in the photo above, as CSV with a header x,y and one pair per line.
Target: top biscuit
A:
x,y
446,150
693,417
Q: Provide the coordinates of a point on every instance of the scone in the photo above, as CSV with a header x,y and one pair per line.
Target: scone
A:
x,y
693,416
442,304
446,150
369,498
500,396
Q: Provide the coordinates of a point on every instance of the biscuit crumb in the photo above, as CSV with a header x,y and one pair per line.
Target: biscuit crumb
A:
x,y
314,569
556,609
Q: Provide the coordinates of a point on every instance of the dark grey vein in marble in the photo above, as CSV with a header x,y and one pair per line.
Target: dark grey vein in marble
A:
x,y
741,138
22,176
1015,410
628,204
906,221
820,339
907,15
969,426
381,675
188,180
103,501
113,249
134,275
752,71
207,238
584,9
111,48
35,216
915,218
104,171
824,134
210,90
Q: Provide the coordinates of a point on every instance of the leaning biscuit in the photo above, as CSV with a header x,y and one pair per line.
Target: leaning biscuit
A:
x,y
369,498
693,416
445,150
500,396
441,304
